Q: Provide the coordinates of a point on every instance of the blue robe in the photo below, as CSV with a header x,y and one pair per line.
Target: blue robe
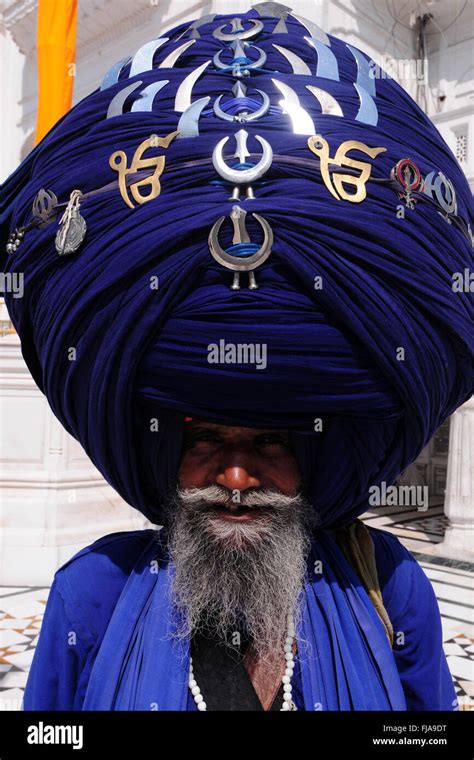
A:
x,y
92,626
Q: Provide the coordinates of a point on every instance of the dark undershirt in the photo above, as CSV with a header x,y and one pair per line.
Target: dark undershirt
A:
x,y
222,677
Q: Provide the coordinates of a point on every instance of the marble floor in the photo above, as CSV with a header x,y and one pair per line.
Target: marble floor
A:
x,y
22,608
21,613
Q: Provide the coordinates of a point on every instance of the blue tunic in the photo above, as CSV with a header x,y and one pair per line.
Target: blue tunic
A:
x,y
86,589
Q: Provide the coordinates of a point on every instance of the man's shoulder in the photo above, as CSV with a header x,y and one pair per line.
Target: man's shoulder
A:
x,y
388,545
390,554
114,550
398,571
91,581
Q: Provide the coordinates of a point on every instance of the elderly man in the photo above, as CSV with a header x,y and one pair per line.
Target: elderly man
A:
x,y
239,255
243,543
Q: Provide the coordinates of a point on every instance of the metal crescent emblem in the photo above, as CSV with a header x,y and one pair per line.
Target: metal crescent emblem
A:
x,y
188,125
171,59
297,64
242,176
239,264
243,115
184,92
301,120
327,102
238,30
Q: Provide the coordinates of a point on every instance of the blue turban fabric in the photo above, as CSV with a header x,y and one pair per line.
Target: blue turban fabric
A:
x,y
333,353
141,353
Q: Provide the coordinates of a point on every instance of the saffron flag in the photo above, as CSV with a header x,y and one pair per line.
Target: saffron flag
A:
x,y
56,45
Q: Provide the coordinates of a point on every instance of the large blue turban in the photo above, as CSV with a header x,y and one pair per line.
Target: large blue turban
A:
x,y
356,304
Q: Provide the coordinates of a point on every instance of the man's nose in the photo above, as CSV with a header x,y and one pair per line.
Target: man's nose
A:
x,y
237,478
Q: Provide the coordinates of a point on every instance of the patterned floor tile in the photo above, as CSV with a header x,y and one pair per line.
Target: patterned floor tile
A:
x,y
15,607
454,649
20,659
462,668
15,624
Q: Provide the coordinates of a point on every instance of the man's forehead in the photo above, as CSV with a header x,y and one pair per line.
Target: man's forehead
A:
x,y
194,423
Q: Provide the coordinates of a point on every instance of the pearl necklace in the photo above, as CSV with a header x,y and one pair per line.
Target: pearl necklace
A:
x,y
288,703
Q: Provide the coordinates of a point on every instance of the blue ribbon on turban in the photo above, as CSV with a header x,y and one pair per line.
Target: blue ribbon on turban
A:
x,y
141,353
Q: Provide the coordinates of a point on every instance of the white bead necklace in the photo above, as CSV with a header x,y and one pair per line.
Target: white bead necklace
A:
x,y
288,703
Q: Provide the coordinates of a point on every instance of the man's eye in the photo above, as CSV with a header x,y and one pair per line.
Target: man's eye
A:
x,y
204,437
271,439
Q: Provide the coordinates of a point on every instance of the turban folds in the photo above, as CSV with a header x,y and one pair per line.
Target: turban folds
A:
x,y
368,346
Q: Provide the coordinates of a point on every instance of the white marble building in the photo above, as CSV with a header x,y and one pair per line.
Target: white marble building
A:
x,y
52,500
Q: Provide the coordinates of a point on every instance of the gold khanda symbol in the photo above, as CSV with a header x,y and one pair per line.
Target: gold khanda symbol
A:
x,y
335,184
118,162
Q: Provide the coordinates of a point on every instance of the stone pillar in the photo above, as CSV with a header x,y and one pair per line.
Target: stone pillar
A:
x,y
53,500
12,68
458,541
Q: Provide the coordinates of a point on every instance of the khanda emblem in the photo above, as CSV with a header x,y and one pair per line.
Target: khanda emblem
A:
x,y
243,176
237,30
335,183
118,162
241,262
44,205
239,48
239,90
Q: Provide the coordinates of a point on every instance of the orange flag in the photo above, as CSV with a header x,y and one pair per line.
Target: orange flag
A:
x,y
56,44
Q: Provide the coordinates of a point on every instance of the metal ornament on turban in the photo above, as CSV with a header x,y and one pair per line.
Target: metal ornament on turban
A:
x,y
244,224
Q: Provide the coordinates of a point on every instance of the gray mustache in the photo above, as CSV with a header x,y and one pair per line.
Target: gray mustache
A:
x,y
216,495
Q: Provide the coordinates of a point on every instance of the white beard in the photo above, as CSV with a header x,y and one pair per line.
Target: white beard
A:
x,y
232,576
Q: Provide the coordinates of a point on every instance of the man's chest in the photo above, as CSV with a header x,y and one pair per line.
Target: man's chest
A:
x,y
230,679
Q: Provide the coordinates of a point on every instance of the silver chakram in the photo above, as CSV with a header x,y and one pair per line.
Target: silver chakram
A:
x,y
240,91
241,263
243,177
